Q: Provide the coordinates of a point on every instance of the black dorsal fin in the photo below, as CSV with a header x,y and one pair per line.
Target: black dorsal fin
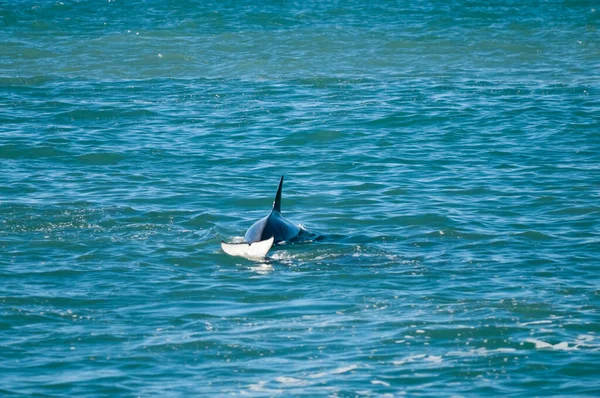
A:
x,y
277,203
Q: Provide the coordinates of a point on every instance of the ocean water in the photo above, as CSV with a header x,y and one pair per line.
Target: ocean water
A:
x,y
447,153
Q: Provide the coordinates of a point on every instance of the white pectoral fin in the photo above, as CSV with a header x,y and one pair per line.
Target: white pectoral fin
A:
x,y
249,250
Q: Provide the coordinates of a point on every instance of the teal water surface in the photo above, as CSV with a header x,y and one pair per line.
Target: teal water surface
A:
x,y
448,154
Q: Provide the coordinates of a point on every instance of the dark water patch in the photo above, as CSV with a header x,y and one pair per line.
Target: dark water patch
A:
x,y
534,236
20,151
101,158
97,114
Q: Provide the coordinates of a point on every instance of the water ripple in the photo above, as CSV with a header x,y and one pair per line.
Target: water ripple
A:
x,y
445,156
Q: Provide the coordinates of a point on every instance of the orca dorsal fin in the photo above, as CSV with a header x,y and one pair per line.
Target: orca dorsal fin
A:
x,y
277,203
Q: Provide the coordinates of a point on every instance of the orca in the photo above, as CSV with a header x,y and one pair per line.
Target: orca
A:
x,y
264,233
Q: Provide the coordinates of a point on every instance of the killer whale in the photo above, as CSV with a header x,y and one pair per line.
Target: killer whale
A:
x,y
264,233
273,224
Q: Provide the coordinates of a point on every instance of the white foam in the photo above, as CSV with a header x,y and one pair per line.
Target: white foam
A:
x,y
434,359
535,323
260,387
337,371
562,346
291,381
540,345
480,352
583,340
283,256
344,369
262,268
380,382
504,350
409,359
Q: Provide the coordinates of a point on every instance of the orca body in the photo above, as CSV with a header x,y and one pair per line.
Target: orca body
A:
x,y
269,230
273,225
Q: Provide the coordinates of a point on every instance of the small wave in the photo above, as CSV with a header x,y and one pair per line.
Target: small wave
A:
x,y
533,235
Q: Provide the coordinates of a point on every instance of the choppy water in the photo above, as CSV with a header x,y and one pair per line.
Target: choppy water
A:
x,y
448,153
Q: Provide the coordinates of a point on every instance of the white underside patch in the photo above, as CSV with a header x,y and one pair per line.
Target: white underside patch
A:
x,y
255,250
